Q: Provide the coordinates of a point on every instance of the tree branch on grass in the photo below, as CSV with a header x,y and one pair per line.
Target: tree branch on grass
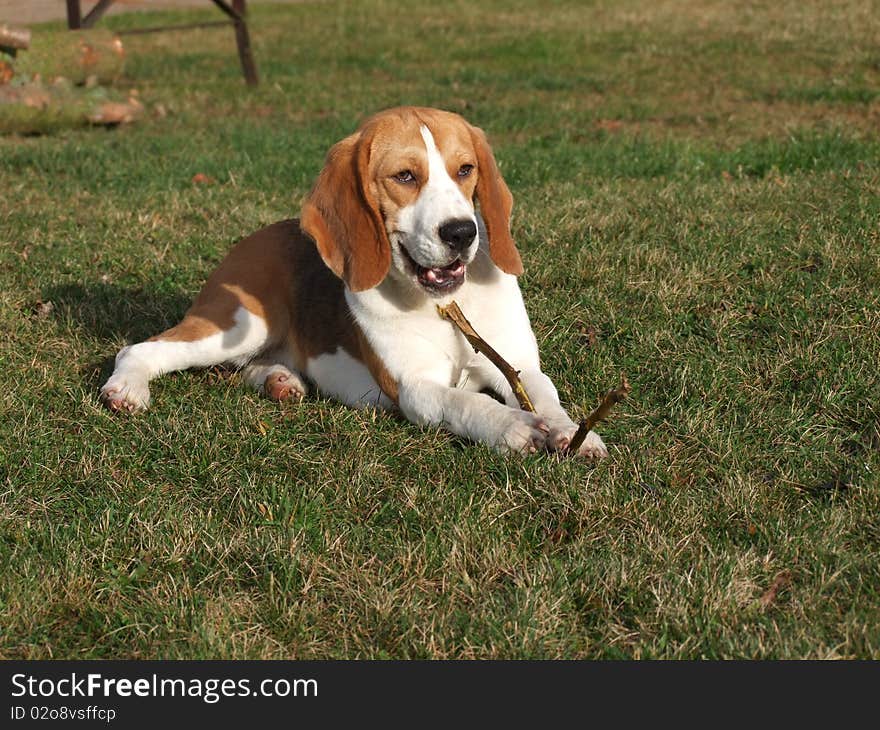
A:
x,y
453,313
609,400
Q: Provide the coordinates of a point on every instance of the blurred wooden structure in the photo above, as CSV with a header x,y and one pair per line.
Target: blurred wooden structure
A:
x,y
235,11
13,39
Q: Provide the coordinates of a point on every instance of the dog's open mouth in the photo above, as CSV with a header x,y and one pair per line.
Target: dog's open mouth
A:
x,y
438,278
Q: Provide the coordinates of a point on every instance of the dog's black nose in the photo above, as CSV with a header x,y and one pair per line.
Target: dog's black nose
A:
x,y
458,233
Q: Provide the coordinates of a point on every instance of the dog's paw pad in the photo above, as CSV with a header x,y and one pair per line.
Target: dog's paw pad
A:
x,y
118,405
281,385
125,395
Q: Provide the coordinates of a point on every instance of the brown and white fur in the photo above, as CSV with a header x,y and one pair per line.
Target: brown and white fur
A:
x,y
346,297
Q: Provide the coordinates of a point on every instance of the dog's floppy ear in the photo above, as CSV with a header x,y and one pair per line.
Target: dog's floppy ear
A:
x,y
496,202
342,217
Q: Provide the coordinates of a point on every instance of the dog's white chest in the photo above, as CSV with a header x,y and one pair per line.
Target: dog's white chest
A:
x,y
413,342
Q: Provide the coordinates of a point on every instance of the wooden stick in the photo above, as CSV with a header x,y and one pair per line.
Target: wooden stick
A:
x,y
17,38
453,313
611,399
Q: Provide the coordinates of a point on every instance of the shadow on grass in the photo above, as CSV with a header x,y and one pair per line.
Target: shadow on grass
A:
x,y
111,314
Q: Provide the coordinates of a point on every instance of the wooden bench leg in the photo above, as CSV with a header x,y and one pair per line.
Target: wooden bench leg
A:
x,y
243,40
236,13
74,15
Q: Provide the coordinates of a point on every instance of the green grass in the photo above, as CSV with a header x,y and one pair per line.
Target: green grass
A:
x,y
697,183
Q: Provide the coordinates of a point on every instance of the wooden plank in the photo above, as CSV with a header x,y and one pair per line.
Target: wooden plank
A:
x,y
243,40
18,39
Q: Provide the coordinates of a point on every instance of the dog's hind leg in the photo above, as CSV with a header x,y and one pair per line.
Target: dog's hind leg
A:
x,y
274,375
197,342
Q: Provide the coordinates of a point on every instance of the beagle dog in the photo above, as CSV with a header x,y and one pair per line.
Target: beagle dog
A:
x,y
346,297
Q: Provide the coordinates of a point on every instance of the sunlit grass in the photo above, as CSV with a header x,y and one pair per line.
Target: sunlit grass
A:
x,y
697,194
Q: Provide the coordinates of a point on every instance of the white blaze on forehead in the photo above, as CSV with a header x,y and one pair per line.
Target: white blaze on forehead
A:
x,y
441,196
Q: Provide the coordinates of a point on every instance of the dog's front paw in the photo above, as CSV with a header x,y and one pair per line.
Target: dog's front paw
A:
x,y
560,437
523,433
126,393
593,447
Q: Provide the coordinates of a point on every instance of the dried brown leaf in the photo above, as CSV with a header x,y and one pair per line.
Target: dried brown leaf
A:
x,y
43,309
782,580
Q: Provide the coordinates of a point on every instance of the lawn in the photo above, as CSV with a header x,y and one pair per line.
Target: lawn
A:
x,y
697,198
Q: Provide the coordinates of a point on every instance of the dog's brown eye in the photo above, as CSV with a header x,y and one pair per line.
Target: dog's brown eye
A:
x,y
404,176
465,170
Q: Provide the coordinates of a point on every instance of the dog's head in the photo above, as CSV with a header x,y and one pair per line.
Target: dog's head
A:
x,y
398,196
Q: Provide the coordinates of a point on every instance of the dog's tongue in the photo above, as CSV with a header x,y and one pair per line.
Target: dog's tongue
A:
x,y
443,275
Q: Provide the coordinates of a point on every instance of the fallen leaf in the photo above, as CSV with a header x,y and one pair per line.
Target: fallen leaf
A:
x,y
6,72
781,580
43,309
590,336
609,125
